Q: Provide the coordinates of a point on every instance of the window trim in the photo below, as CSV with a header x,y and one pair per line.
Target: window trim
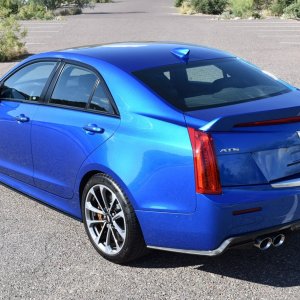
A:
x,y
44,91
51,82
100,81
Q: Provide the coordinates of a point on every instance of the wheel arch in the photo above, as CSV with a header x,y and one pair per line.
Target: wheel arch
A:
x,y
89,173
84,180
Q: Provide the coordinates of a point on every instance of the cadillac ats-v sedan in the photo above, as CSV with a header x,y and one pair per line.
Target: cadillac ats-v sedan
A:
x,y
166,146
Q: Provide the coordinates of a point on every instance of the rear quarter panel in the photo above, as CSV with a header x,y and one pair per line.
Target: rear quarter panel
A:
x,y
150,154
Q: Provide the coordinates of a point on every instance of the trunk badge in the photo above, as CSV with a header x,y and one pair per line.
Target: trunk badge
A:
x,y
228,150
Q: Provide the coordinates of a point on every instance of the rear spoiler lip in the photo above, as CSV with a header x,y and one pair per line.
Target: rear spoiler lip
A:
x,y
226,123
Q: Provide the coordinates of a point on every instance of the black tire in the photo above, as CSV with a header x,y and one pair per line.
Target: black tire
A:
x,y
133,245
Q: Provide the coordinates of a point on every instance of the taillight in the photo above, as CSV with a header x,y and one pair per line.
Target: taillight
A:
x,y
206,169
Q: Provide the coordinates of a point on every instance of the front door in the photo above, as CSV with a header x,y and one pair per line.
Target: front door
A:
x,y
19,94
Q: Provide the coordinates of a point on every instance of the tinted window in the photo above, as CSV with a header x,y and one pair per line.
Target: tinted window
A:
x,y
100,101
210,83
27,83
74,87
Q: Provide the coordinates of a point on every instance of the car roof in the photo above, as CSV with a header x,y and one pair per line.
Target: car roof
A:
x,y
133,56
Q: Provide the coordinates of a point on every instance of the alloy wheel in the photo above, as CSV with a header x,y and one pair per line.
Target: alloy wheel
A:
x,y
105,219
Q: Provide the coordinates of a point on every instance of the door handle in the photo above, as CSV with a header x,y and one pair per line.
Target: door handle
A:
x,y
93,128
22,118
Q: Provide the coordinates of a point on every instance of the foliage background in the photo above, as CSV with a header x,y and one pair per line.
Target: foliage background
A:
x,y
242,8
11,33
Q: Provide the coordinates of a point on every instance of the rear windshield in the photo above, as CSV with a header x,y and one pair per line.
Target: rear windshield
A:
x,y
210,83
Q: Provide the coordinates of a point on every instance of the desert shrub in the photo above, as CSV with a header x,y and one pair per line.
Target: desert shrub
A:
x,y
186,8
55,4
82,3
293,10
178,3
278,6
11,35
103,1
67,11
12,5
242,8
34,11
49,4
262,4
4,12
215,7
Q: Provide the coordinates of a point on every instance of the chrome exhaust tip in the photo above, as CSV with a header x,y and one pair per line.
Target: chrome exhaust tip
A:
x,y
263,243
278,240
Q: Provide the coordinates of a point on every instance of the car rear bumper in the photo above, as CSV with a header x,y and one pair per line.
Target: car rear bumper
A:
x,y
236,241
217,225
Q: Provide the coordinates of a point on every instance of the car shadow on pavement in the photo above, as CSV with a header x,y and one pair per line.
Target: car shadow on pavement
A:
x,y
278,267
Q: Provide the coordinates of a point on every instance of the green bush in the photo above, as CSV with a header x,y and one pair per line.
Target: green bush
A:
x,y
293,10
278,6
186,8
49,4
82,3
11,35
178,3
34,11
41,9
215,7
67,11
55,4
259,5
12,5
4,12
242,8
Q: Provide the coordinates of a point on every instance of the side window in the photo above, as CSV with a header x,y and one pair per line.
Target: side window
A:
x,y
27,83
74,86
207,74
100,101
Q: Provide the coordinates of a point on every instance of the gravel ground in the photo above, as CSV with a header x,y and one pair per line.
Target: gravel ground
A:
x,y
46,255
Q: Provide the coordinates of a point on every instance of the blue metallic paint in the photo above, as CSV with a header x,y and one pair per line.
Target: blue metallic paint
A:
x,y
15,146
56,164
213,221
182,53
147,151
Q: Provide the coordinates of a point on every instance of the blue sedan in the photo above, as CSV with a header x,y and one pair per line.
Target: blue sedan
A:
x,y
155,145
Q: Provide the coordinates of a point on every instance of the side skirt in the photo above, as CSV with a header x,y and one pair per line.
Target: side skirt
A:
x,y
70,207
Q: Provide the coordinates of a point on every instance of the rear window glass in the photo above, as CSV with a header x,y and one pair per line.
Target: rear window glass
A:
x,y
210,83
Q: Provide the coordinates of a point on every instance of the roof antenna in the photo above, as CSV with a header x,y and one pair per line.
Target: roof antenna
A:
x,y
182,53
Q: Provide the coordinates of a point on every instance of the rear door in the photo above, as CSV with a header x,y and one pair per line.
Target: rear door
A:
x,y
20,94
78,118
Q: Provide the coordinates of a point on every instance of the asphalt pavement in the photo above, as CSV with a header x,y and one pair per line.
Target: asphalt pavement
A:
x,y
46,255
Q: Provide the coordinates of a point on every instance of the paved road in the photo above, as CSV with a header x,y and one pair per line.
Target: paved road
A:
x,y
46,255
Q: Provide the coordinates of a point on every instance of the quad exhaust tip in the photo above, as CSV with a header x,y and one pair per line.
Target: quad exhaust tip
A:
x,y
265,243
278,240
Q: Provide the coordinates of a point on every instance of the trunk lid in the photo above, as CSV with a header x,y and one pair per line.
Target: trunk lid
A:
x,y
257,153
